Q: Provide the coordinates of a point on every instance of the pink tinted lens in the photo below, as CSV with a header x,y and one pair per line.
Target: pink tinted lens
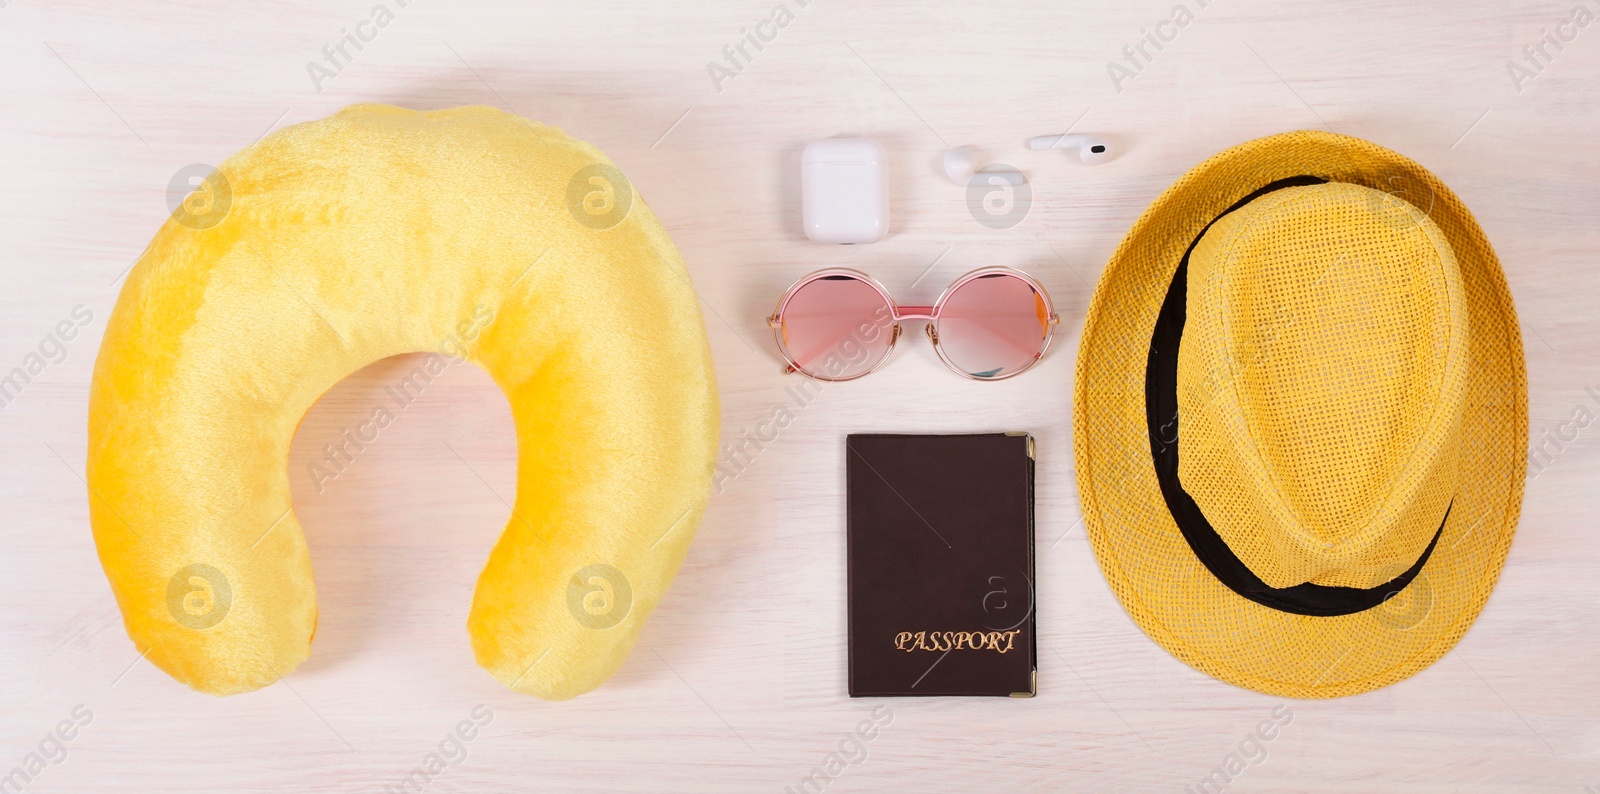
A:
x,y
836,328
993,326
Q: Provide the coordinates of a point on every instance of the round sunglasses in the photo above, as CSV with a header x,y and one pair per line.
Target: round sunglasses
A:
x,y
840,324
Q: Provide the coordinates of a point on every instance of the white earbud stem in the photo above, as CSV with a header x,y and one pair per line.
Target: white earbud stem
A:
x,y
1092,149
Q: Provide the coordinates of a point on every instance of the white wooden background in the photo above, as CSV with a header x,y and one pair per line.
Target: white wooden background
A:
x,y
738,683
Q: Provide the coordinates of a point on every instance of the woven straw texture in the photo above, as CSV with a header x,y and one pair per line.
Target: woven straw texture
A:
x,y
1143,555
1320,383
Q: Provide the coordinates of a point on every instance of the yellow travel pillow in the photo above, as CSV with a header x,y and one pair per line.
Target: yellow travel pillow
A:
x,y
379,231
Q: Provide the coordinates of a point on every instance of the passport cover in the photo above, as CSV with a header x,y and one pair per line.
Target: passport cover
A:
x,y
940,555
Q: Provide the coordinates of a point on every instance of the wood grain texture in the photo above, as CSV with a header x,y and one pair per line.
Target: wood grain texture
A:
x,y
738,683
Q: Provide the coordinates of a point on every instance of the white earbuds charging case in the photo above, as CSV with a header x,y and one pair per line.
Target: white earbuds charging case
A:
x,y
844,186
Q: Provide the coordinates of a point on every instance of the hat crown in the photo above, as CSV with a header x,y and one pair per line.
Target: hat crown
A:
x,y
1321,380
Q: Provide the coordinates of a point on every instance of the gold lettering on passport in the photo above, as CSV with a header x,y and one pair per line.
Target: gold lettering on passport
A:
x,y
997,641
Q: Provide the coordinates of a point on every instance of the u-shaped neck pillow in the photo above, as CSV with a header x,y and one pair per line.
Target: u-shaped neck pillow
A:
x,y
379,231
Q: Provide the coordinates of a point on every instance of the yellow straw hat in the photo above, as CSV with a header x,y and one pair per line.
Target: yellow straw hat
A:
x,y
1301,417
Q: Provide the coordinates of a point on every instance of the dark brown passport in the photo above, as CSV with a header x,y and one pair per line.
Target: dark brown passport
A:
x,y
940,555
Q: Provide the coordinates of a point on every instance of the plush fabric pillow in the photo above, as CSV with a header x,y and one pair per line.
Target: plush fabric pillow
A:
x,y
379,231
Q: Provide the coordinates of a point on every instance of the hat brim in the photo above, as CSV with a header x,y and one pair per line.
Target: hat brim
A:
x,y
1152,570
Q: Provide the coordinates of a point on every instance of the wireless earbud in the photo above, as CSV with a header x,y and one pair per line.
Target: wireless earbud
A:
x,y
959,164
1092,150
